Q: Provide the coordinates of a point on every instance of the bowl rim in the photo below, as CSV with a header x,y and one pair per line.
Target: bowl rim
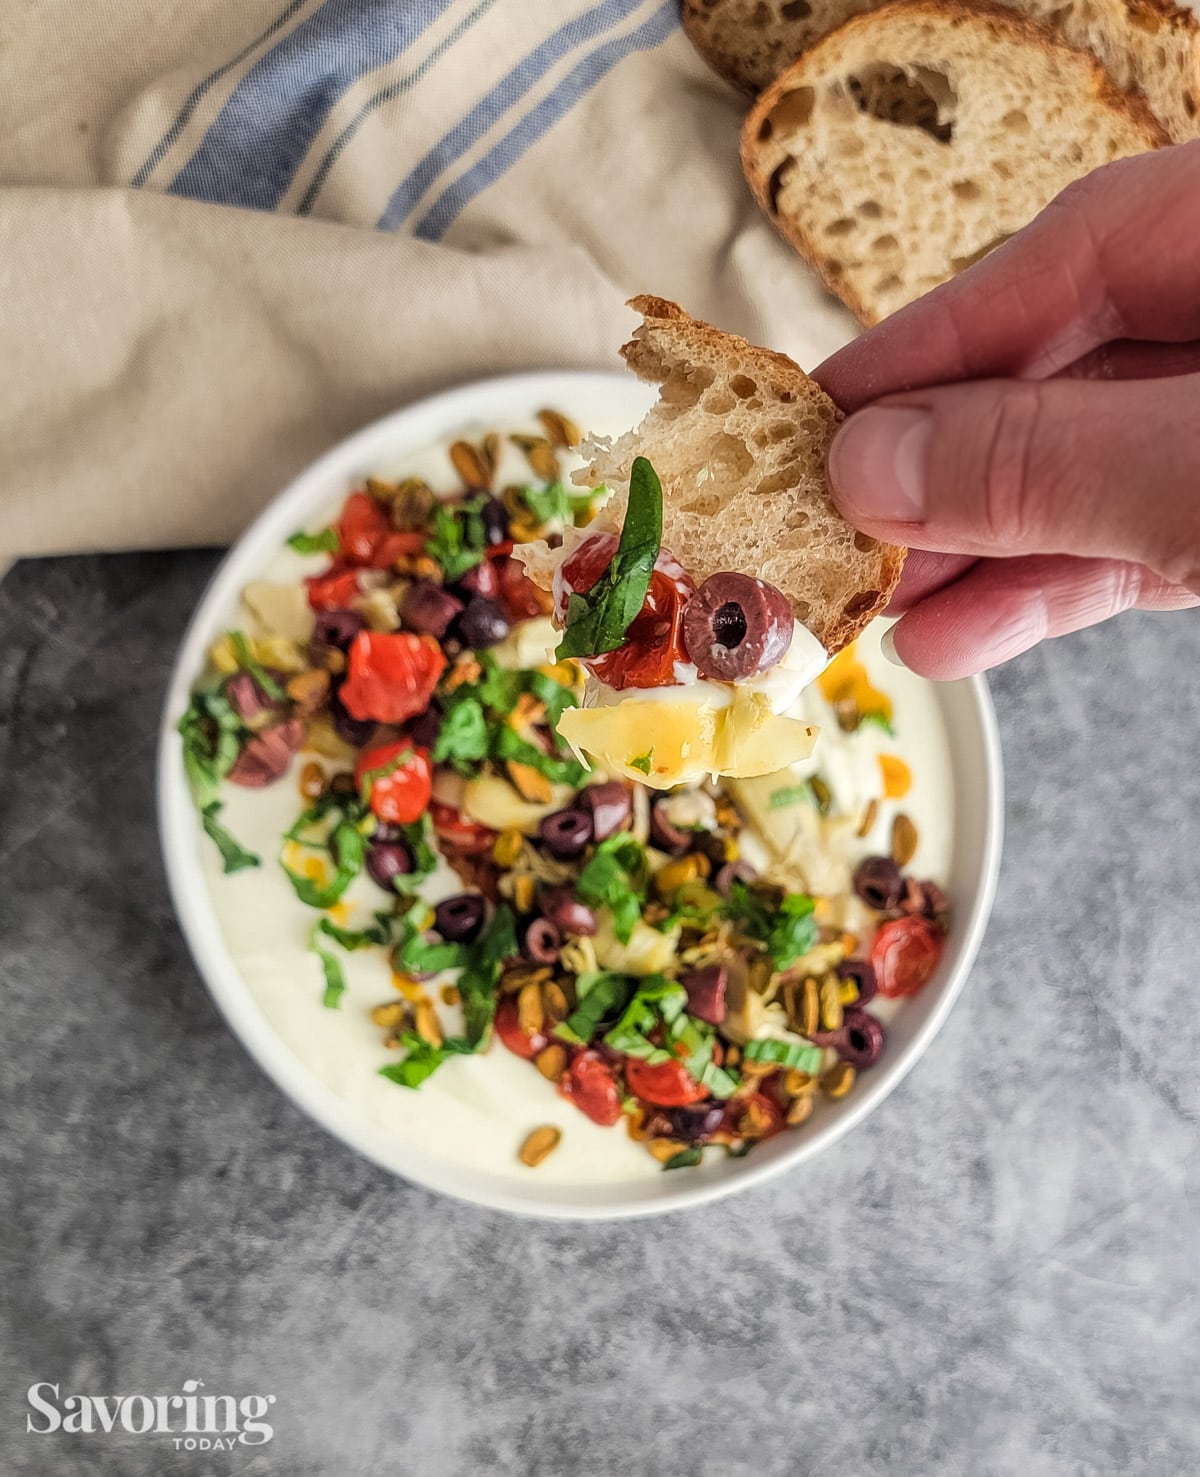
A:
x,y
193,908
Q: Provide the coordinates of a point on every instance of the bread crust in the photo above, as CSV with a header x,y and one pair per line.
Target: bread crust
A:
x,y
954,12
834,628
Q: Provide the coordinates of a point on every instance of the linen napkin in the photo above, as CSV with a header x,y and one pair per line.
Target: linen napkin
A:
x,y
231,234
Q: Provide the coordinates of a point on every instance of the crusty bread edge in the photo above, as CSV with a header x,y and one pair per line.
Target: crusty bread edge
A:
x,y
847,626
1134,106
713,57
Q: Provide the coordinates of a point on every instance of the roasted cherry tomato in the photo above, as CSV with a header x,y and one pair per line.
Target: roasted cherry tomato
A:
x,y
905,952
654,641
336,589
367,536
459,831
591,1084
520,599
508,1028
665,1084
400,793
392,675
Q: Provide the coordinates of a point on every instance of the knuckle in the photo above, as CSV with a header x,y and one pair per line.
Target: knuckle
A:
x,y
1010,466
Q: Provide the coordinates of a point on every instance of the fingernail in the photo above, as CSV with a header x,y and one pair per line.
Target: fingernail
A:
x,y
887,645
877,464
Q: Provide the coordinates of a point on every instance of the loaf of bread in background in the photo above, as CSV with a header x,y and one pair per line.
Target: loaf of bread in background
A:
x,y
739,437
916,137
1147,46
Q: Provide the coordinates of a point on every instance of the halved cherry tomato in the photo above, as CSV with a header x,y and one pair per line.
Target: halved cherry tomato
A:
x,y
591,1084
654,641
336,589
508,1028
392,675
519,597
367,536
460,831
401,793
665,1084
905,952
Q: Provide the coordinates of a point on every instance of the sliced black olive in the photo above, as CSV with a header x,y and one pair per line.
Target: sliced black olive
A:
x,y
734,626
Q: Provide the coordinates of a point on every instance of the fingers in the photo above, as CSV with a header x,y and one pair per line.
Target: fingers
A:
x,y
925,572
1002,468
1079,275
1001,608
1133,359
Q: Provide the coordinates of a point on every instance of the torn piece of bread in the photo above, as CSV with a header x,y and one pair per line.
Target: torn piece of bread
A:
x,y
739,437
1147,46
915,138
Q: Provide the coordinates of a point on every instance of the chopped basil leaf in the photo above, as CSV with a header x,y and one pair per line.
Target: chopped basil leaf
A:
x,y
508,744
478,981
719,1082
246,659
500,687
335,980
787,934
458,538
685,1159
415,836
597,619
615,878
212,739
234,855
463,736
351,810
657,1000
786,795
556,500
802,1055
643,761
346,846
423,1060
380,932
325,542
877,720
601,994
421,955
547,690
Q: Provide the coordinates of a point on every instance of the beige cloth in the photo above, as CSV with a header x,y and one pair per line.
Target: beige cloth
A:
x,y
168,364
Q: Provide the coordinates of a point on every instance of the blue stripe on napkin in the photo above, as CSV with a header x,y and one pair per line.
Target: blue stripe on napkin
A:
x,y
254,147
492,107
540,119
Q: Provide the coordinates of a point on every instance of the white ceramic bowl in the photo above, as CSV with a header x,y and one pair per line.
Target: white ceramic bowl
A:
x,y
616,401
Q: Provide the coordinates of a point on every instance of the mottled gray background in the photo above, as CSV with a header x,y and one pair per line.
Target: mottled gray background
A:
x,y
996,1275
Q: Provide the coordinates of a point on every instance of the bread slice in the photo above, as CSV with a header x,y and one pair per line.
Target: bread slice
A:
x,y
1147,46
915,138
739,437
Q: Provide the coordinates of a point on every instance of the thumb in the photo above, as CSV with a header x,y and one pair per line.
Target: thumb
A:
x,y
1003,467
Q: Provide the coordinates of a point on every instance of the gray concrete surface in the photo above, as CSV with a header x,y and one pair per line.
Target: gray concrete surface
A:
x,y
996,1275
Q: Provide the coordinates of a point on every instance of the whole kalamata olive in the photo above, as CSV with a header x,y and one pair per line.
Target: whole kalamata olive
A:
x,y
734,626
878,882
459,918
356,731
862,972
611,806
495,520
733,872
567,913
482,579
565,833
336,628
861,1038
664,835
483,623
428,609
706,992
695,1123
387,860
542,942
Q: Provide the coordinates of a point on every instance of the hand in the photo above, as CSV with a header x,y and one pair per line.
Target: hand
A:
x,y
1032,428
